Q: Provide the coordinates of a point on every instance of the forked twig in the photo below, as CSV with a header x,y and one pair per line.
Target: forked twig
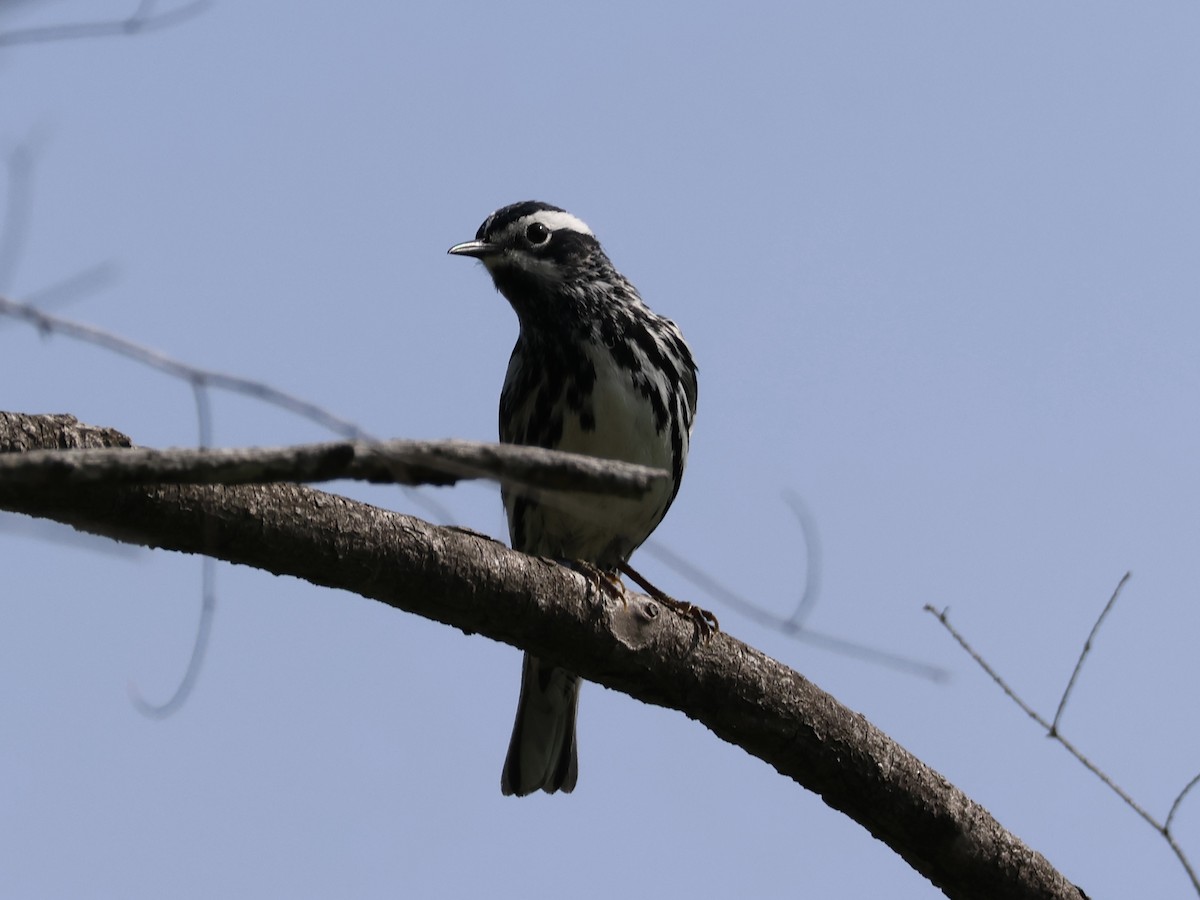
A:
x,y
1051,728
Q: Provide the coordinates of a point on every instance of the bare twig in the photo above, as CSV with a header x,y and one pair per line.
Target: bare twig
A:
x,y
142,19
793,625
191,675
943,616
51,324
1179,799
812,558
787,625
15,218
60,293
192,375
1163,828
208,594
1087,647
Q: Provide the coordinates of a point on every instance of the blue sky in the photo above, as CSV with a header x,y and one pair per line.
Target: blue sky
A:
x,y
938,266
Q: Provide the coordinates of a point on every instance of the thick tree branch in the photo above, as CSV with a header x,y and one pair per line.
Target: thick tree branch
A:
x,y
478,585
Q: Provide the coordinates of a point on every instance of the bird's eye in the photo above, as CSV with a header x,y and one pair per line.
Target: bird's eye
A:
x,y
537,233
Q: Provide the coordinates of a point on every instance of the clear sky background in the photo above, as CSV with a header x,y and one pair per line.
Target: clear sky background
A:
x,y
938,264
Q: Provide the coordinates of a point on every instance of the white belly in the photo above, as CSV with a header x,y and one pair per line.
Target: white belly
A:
x,y
594,527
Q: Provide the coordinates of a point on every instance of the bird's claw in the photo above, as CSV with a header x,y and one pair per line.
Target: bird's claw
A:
x,y
703,621
605,581
609,583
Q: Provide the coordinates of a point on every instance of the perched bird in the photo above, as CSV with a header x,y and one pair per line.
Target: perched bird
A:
x,y
594,371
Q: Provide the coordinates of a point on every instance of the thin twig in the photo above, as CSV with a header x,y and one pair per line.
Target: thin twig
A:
x,y
52,324
793,626
943,616
1087,646
1179,799
812,558
142,20
60,293
752,611
193,375
208,592
191,675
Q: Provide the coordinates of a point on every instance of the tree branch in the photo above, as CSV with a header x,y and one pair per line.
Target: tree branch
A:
x,y
386,462
478,585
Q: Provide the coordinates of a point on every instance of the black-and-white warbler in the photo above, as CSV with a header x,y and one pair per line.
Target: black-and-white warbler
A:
x,y
594,371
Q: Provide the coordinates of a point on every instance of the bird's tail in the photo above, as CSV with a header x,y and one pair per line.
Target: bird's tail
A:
x,y
541,754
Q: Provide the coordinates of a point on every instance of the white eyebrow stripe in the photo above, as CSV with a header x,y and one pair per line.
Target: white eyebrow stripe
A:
x,y
555,221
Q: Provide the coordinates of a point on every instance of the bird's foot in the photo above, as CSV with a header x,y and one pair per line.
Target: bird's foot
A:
x,y
703,621
606,581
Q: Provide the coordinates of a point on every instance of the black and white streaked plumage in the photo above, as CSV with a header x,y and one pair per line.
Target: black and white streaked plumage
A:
x,y
594,371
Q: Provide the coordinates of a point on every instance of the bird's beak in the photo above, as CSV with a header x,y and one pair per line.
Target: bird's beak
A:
x,y
477,249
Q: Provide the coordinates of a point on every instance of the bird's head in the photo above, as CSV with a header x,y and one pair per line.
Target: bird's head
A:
x,y
536,253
